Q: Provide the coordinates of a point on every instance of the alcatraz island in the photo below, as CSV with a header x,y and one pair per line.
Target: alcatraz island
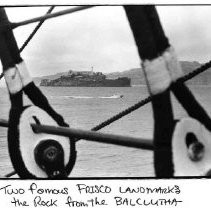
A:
x,y
86,79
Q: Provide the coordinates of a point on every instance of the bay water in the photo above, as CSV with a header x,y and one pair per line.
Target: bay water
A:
x,y
86,107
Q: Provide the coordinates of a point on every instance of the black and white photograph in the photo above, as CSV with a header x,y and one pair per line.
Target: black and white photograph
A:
x,y
105,91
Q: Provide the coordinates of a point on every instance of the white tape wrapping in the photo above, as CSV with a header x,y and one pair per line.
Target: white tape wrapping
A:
x,y
157,75
24,73
172,63
13,80
183,165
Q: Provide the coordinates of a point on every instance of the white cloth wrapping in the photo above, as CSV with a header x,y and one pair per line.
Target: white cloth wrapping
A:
x,y
13,80
172,63
157,75
24,73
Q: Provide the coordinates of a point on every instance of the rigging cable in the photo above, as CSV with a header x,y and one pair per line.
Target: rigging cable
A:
x,y
13,25
141,103
32,34
35,30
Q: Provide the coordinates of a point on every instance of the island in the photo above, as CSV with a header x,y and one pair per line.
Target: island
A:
x,y
86,79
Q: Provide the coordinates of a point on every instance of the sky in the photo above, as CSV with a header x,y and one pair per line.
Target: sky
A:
x,y
100,37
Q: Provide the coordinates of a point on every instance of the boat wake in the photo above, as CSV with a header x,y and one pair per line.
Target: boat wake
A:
x,y
89,97
113,96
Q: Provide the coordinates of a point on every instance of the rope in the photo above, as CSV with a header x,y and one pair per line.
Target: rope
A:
x,y
45,17
122,114
194,73
35,30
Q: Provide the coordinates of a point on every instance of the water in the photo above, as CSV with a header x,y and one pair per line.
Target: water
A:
x,y
84,108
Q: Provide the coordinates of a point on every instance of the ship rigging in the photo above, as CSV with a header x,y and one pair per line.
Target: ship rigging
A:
x,y
54,157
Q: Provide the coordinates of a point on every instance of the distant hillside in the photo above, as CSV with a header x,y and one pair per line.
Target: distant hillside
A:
x,y
201,79
37,80
137,77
